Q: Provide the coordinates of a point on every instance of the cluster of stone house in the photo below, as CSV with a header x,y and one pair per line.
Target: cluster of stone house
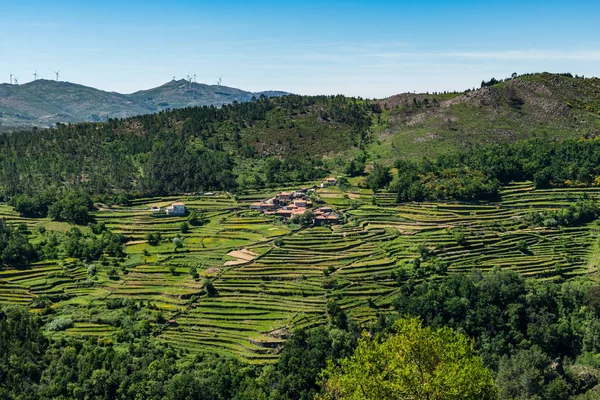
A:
x,y
285,204
289,204
326,216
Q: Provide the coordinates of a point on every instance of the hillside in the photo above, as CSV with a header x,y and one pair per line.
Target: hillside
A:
x,y
268,140
44,102
556,105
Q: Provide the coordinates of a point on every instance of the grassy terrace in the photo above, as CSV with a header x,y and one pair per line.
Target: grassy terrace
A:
x,y
280,279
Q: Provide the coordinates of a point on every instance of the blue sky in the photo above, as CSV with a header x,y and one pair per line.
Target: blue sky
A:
x,y
360,48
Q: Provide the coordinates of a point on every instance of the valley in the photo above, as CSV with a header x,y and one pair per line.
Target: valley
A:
x,y
296,271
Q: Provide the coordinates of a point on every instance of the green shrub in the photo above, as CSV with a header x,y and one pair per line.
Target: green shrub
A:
x,y
184,227
60,324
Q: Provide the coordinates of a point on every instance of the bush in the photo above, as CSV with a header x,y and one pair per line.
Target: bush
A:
x,y
60,324
193,272
153,239
178,243
184,227
460,237
196,219
211,291
113,274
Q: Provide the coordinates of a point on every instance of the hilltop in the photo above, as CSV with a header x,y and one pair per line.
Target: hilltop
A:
x,y
182,93
544,104
44,102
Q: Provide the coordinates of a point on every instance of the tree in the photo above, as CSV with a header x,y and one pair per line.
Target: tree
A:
x,y
193,272
22,346
184,227
73,207
153,239
15,247
379,177
459,236
211,291
522,246
177,243
196,218
523,375
414,363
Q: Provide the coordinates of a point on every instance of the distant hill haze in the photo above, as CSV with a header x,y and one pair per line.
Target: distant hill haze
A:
x,y
45,102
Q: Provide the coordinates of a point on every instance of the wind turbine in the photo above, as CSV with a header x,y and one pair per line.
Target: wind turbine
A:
x,y
194,78
35,75
16,80
57,72
11,75
220,80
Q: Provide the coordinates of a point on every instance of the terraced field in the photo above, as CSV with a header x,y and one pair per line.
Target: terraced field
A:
x,y
270,278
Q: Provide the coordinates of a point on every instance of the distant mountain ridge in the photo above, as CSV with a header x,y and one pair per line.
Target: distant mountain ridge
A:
x,y
45,102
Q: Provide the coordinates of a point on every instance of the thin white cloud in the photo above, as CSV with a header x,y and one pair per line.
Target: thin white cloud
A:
x,y
526,55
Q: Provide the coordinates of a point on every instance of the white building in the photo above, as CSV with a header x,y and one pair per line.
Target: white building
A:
x,y
176,209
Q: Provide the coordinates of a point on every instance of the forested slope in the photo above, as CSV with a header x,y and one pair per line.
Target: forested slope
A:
x,y
190,149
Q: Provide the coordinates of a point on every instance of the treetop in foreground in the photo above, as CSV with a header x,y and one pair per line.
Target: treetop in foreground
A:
x,y
414,363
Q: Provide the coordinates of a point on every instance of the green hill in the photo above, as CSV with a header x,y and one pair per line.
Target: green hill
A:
x,y
43,102
556,105
291,138
281,140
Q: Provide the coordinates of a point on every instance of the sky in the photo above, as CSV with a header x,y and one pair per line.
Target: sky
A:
x,y
357,48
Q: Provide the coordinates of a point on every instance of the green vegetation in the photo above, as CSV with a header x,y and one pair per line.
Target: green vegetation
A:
x,y
414,363
14,245
519,327
494,249
537,336
187,150
556,106
477,174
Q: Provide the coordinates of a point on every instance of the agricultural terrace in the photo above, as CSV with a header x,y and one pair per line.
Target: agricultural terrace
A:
x,y
258,278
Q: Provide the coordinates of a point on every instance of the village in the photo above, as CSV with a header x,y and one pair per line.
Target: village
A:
x,y
288,205
285,205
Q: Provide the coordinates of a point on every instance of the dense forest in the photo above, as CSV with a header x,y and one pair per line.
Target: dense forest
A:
x,y
477,174
264,143
532,340
185,150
